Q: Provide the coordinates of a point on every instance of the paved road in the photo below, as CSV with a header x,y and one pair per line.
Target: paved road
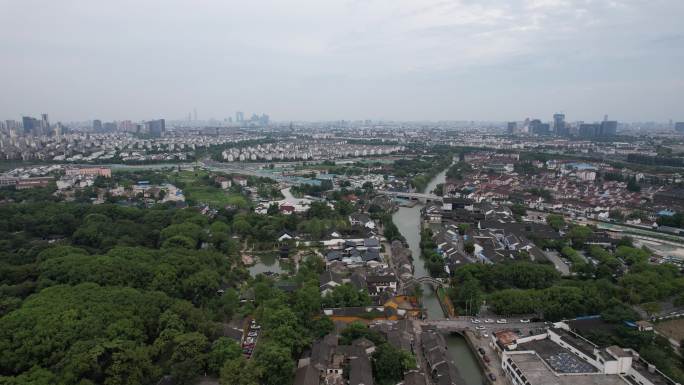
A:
x,y
494,365
465,323
414,195
560,265
420,358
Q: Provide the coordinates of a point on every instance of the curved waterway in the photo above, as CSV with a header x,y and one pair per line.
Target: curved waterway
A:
x,y
407,220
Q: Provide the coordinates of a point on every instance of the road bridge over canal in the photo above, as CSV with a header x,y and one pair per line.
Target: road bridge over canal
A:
x,y
412,196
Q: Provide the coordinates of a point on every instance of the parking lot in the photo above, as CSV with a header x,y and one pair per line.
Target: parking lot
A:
x,y
250,338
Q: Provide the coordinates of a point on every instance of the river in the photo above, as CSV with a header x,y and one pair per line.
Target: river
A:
x,y
407,220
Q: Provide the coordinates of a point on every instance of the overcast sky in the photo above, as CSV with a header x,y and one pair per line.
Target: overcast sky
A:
x,y
328,59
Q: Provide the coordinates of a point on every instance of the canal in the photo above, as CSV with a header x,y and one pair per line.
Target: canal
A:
x,y
407,220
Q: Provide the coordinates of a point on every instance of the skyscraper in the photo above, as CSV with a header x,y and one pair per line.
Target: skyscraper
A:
x,y
109,127
239,116
679,127
539,128
30,125
512,127
156,127
589,130
559,125
97,125
608,128
44,123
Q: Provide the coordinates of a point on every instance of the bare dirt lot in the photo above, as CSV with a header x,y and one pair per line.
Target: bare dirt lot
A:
x,y
673,328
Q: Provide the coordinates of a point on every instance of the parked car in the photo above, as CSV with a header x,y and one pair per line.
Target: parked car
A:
x,y
525,321
501,321
480,327
486,359
475,321
482,351
485,334
492,377
253,334
489,321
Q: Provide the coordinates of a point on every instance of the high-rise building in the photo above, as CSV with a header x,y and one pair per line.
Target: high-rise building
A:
x,y
97,125
239,116
156,127
679,127
30,125
608,128
512,127
126,126
12,125
559,127
109,127
589,130
539,128
44,124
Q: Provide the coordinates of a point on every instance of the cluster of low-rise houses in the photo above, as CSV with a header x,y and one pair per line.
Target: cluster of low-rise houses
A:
x,y
112,147
69,180
303,150
566,187
491,229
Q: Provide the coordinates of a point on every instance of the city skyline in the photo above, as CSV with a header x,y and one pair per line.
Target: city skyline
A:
x,y
265,119
402,61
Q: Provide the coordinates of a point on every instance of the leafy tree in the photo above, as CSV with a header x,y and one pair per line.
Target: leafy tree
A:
x,y
273,209
390,363
626,241
633,185
189,356
307,302
180,241
651,307
220,233
346,295
632,255
467,295
186,229
34,376
390,230
275,363
578,235
618,312
93,333
556,221
519,210
356,330
222,350
344,208
239,371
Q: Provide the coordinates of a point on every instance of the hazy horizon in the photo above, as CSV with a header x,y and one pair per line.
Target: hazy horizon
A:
x,y
400,60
